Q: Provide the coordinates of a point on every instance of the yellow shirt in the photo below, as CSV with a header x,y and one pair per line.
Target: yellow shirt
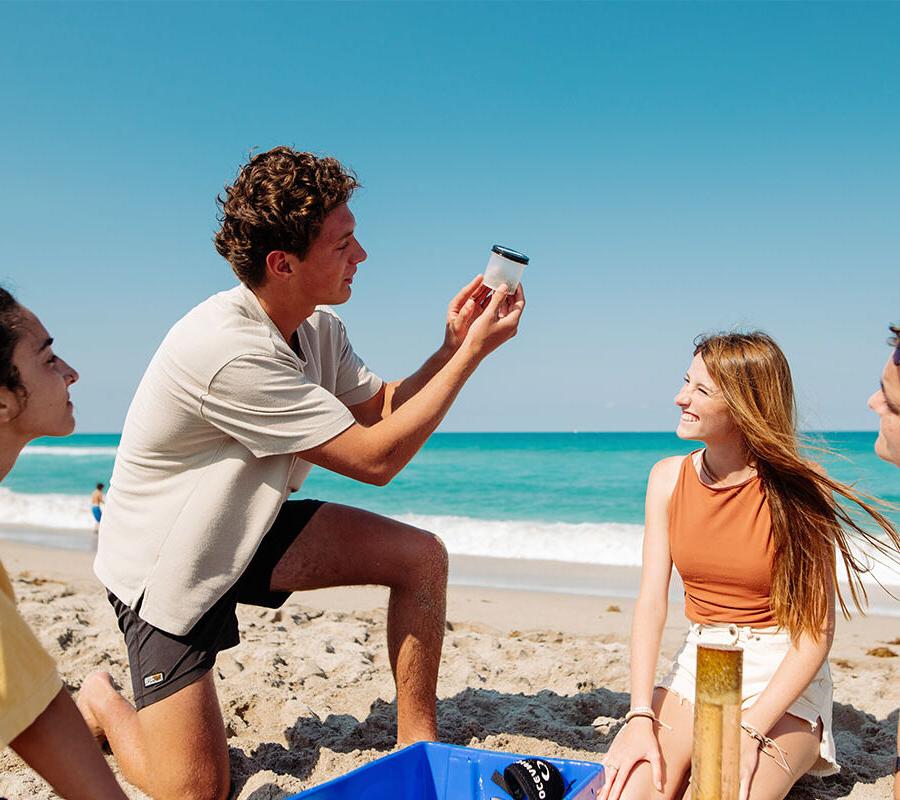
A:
x,y
28,677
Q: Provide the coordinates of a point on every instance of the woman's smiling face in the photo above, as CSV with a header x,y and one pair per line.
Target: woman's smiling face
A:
x,y
704,414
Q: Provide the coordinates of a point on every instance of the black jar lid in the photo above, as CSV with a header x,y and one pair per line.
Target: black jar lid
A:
x,y
512,255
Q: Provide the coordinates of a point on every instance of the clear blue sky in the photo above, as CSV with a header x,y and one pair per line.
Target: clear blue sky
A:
x,y
670,169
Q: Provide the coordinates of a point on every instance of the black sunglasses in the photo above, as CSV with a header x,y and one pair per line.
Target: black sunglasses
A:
x,y
896,358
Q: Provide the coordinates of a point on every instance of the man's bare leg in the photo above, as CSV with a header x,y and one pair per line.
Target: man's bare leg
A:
x,y
171,750
343,546
176,748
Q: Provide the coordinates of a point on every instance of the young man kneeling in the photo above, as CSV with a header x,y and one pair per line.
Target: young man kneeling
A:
x,y
247,392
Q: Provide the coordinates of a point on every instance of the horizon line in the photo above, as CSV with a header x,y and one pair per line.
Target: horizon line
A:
x,y
520,432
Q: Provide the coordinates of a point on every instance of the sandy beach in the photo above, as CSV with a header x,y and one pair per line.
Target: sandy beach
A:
x,y
308,694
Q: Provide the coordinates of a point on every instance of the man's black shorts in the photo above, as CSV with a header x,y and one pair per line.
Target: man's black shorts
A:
x,y
162,663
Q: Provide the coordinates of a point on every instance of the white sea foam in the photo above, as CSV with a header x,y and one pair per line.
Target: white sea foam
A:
x,y
44,450
70,511
586,542
591,543
609,543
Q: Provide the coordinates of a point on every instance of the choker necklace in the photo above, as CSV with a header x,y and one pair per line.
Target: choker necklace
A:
x,y
704,466
713,478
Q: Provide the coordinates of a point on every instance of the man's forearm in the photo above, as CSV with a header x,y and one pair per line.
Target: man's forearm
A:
x,y
404,431
398,392
376,453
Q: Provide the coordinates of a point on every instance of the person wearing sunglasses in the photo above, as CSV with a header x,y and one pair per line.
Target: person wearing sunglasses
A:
x,y
886,403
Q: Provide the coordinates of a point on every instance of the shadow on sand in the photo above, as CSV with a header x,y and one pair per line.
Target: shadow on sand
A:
x,y
865,744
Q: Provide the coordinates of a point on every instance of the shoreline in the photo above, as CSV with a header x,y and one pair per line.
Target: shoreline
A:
x,y
610,581
545,587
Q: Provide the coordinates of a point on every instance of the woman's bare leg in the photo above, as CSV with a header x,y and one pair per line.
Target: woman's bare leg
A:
x,y
801,744
675,745
59,747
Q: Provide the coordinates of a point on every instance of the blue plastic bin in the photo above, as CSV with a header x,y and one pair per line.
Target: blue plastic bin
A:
x,y
431,771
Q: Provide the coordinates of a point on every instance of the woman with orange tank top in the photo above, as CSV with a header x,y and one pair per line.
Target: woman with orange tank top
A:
x,y
752,528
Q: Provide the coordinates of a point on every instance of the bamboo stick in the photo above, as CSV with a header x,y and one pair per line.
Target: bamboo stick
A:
x,y
717,723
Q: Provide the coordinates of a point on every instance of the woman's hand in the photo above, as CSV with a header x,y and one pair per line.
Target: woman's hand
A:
x,y
749,761
634,743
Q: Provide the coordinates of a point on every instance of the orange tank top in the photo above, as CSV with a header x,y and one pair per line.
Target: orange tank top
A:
x,y
721,544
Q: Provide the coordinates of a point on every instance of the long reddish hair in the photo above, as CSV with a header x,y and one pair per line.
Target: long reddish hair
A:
x,y
812,514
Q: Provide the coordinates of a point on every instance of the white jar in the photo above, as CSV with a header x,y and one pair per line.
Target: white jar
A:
x,y
505,266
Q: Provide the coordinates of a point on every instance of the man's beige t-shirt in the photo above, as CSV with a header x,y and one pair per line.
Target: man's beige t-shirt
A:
x,y
207,458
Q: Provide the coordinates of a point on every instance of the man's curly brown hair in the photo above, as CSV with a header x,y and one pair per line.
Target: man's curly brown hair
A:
x,y
278,202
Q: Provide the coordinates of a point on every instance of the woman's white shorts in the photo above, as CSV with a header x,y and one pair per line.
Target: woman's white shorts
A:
x,y
764,649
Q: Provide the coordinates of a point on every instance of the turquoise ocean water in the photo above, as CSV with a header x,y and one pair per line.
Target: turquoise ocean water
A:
x,y
560,496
